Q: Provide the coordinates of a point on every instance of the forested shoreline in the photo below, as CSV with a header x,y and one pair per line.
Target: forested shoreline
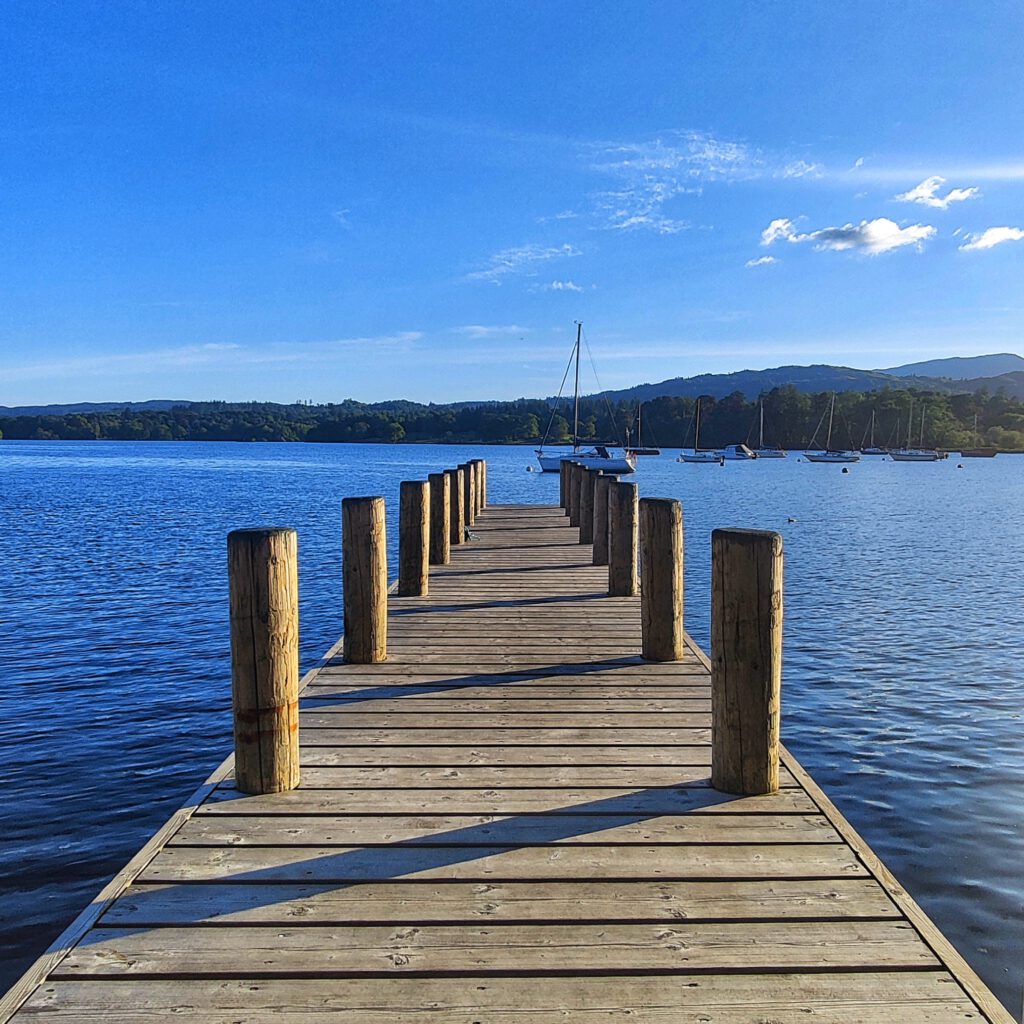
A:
x,y
790,418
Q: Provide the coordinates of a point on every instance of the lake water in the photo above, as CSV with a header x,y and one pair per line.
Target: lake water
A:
x,y
903,684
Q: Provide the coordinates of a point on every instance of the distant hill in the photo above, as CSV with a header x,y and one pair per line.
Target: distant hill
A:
x,y
751,383
821,377
156,405
961,367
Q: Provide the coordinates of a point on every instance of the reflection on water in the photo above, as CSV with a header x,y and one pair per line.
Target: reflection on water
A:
x,y
903,685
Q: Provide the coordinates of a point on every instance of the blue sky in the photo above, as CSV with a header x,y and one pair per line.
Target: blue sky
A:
x,y
378,200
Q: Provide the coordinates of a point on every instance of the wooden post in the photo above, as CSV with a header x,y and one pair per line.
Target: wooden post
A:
x,y
587,479
563,490
440,519
481,498
469,494
746,660
661,579
263,578
364,573
573,484
601,485
478,485
413,538
456,516
622,540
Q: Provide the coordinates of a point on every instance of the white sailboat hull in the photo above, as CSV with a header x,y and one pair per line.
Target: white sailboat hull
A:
x,y
831,456
700,457
592,460
914,455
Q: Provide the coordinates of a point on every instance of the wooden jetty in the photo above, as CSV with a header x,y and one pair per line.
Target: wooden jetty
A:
x,y
511,819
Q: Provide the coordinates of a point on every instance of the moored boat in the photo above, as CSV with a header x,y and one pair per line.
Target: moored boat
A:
x,y
596,456
766,451
700,456
737,452
919,454
828,453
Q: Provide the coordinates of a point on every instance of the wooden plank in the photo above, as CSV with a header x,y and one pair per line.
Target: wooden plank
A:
x,y
471,949
462,799
991,1008
426,702
504,738
483,863
374,722
497,830
537,803
871,997
150,906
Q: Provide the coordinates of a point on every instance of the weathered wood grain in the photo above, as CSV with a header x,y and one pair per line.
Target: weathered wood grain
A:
x,y
517,809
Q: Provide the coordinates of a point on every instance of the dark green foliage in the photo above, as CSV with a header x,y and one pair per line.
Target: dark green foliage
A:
x,y
790,418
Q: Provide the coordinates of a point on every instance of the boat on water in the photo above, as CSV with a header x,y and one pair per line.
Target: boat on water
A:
x,y
598,456
639,448
828,453
871,448
701,456
919,454
737,453
766,451
983,451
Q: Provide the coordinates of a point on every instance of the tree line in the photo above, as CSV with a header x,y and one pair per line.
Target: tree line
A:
x,y
790,419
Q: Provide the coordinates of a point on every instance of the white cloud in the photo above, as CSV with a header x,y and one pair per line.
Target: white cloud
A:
x,y
341,216
519,260
761,261
654,172
869,236
481,331
780,228
991,237
562,286
802,169
927,194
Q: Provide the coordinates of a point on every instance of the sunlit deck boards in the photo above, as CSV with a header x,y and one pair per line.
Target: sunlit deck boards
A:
x,y
510,821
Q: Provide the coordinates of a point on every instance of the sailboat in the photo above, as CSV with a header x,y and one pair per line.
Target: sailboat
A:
x,y
701,455
638,448
871,448
984,451
920,454
597,457
763,451
829,454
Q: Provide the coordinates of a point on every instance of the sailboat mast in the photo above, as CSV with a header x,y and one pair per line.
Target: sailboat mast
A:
x,y
910,422
831,413
576,391
760,435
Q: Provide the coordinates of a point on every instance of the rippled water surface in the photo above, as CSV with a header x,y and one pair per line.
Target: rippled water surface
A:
x,y
903,692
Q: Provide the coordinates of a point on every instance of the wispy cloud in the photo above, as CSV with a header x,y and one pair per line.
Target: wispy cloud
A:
x,y
802,169
927,194
149,361
991,237
341,216
902,174
761,261
520,260
869,236
479,331
654,172
562,286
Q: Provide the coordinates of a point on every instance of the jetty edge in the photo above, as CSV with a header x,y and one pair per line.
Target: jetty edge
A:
x,y
511,816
